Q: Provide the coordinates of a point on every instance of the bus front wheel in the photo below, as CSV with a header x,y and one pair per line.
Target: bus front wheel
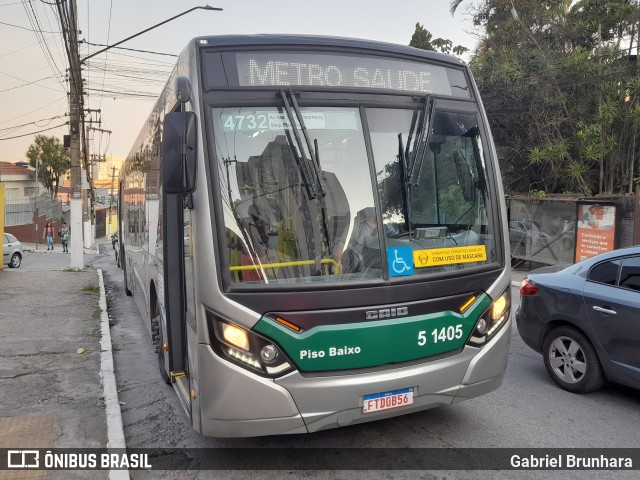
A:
x,y
126,282
158,341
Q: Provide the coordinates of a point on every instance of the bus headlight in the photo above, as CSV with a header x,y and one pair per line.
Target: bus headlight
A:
x,y
246,348
235,336
492,319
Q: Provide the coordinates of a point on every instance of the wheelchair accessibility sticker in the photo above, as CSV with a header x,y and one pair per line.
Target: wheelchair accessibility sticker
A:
x,y
400,260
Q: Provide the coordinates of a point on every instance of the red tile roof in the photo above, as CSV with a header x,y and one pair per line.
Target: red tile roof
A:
x,y
7,168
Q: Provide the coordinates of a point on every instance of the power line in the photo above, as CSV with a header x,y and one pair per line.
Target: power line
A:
x,y
43,38
132,94
34,123
29,83
23,28
34,133
55,38
131,49
44,46
104,74
39,108
19,50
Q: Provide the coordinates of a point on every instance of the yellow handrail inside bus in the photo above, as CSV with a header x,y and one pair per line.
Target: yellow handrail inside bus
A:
x,y
296,263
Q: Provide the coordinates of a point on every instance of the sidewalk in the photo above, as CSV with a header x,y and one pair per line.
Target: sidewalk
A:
x,y
57,248
50,363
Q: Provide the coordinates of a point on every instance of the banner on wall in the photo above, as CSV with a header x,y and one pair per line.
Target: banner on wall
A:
x,y
596,230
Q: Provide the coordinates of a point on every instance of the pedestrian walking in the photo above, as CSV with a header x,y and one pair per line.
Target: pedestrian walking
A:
x,y
48,235
64,237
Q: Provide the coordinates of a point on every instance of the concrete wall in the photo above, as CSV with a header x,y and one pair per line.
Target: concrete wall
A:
x,y
27,233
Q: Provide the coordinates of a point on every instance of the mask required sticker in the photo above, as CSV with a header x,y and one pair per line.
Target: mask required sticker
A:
x,y
449,256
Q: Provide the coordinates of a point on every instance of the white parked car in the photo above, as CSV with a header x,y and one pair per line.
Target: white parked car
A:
x,y
11,251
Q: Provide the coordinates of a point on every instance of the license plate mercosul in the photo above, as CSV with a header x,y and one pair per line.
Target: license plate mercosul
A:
x,y
376,402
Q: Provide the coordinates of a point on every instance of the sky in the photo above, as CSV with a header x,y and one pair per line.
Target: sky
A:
x,y
32,85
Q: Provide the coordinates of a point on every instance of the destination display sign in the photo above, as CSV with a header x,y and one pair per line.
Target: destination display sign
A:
x,y
247,120
259,69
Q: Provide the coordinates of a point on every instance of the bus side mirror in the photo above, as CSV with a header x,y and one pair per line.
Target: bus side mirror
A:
x,y
179,152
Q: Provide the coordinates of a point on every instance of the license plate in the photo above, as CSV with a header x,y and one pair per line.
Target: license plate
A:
x,y
376,402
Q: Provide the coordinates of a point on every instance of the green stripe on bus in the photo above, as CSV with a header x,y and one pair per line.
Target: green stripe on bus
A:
x,y
374,343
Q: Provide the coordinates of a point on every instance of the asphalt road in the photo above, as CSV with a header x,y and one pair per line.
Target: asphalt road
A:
x,y
528,411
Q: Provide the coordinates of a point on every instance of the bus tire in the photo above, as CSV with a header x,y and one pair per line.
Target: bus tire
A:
x,y
158,341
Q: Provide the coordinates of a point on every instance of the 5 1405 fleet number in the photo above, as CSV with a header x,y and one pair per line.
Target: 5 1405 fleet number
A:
x,y
440,335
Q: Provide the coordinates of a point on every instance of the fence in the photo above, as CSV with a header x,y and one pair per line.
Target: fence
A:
x,y
545,230
19,210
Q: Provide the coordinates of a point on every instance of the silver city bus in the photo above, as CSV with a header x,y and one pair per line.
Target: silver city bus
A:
x,y
314,230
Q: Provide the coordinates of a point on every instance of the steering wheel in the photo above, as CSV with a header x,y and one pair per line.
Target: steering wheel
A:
x,y
352,261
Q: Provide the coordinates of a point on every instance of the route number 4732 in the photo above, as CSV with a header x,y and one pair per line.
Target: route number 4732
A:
x,y
440,335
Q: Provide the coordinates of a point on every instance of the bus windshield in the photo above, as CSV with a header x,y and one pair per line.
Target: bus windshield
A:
x,y
282,230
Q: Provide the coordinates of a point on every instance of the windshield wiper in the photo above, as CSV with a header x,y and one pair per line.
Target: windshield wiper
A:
x,y
309,167
404,184
421,141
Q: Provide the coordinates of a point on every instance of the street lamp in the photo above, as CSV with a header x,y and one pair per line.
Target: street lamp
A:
x,y
206,7
35,205
76,109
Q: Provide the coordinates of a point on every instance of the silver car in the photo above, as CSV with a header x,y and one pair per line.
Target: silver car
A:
x,y
11,251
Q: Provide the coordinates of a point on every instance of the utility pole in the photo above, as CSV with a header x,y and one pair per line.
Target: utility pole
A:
x,y
75,116
92,169
113,177
35,204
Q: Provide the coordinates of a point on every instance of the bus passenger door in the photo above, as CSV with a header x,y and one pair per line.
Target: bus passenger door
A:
x,y
175,298
191,331
178,181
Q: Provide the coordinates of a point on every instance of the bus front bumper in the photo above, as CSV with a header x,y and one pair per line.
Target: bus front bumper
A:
x,y
237,403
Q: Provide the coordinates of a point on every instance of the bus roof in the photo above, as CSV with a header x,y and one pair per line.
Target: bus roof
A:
x,y
322,41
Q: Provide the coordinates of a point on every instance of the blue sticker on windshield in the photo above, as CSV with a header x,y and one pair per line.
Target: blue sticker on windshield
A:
x,y
400,261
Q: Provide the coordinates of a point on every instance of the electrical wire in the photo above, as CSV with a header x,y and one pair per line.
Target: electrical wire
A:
x,y
24,28
33,133
132,49
27,82
19,50
106,53
125,94
32,111
44,45
59,48
51,119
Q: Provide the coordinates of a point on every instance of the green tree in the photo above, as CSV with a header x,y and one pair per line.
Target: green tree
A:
x,y
562,91
423,38
53,160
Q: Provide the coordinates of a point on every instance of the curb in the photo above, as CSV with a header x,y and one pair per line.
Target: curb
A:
x,y
86,251
115,430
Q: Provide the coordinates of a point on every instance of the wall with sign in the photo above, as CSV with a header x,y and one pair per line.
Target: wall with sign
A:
x,y
596,230
562,230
